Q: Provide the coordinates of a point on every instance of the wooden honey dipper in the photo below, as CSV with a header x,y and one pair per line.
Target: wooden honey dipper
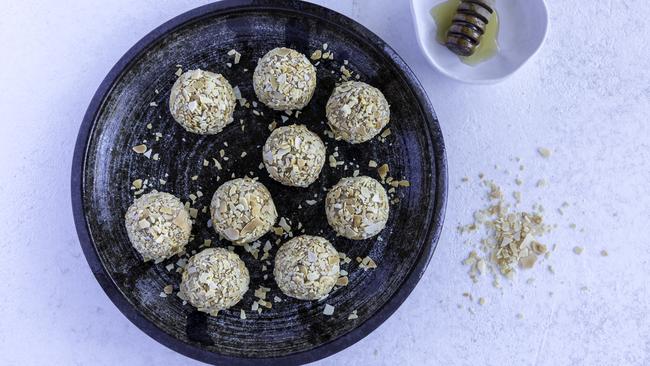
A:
x,y
468,26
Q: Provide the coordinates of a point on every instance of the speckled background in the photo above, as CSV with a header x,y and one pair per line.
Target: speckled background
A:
x,y
586,95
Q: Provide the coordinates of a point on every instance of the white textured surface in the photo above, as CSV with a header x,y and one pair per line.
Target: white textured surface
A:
x,y
586,95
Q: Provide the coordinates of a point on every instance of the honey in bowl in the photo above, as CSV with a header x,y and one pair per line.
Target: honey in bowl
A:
x,y
469,28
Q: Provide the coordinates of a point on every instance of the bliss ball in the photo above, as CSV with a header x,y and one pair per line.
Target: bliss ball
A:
x,y
293,155
357,207
242,210
158,226
213,280
306,267
357,112
284,79
202,102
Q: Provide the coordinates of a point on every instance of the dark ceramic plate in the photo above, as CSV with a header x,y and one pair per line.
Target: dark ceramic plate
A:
x,y
105,166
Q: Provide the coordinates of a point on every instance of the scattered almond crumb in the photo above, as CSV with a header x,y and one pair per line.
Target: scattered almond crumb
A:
x,y
544,152
140,149
137,184
366,263
332,161
236,54
511,239
404,183
329,310
604,253
317,55
578,250
193,212
383,171
528,261
342,281
261,291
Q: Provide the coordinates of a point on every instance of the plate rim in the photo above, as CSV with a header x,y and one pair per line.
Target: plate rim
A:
x,y
112,290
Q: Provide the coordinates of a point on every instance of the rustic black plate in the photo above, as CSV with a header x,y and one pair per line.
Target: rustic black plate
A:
x,y
105,166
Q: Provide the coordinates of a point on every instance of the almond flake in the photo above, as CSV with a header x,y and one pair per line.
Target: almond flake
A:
x,y
329,310
544,152
140,149
383,171
316,55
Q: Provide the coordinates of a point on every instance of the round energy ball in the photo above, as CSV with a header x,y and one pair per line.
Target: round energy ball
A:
x,y
293,155
242,210
306,267
202,102
213,280
158,226
284,79
357,112
357,207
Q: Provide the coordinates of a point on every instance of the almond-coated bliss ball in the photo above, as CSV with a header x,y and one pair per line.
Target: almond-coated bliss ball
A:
x,y
158,226
202,102
213,280
306,267
357,207
356,112
293,155
284,79
242,210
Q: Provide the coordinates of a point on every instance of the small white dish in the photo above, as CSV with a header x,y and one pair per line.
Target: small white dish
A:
x,y
522,30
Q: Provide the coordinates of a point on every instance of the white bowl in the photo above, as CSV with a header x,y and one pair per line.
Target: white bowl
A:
x,y
522,29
